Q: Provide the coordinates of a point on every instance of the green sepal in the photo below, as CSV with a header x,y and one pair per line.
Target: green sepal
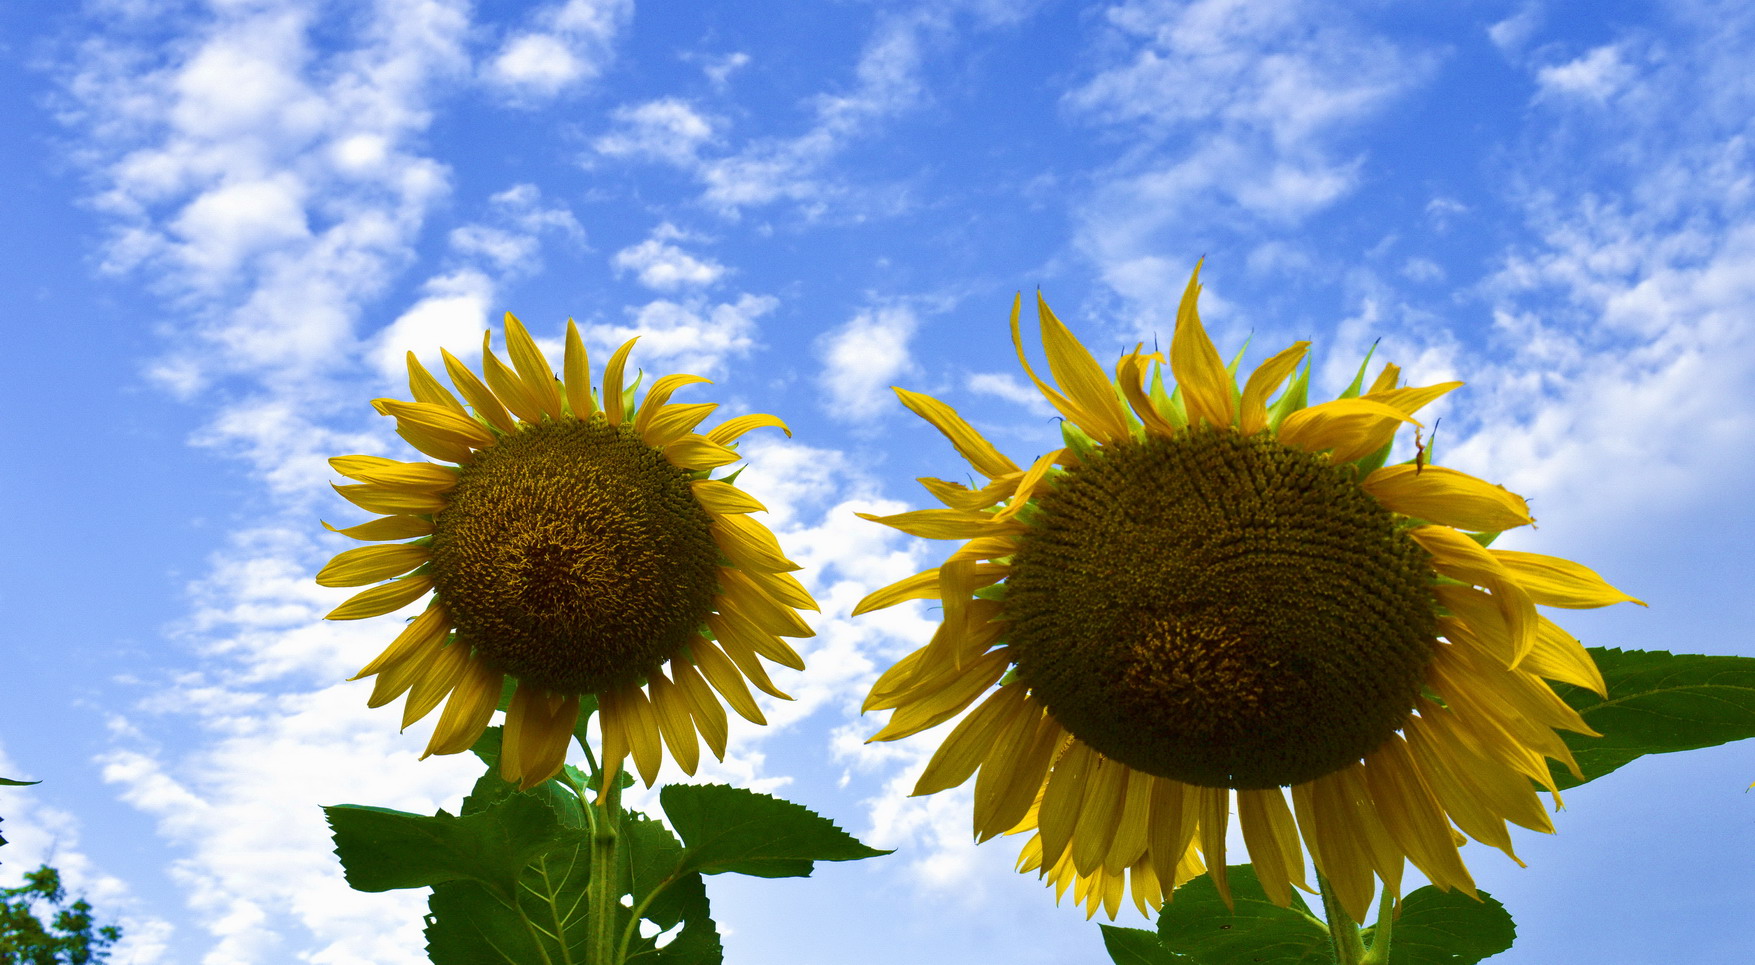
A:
x,y
1169,405
993,591
1196,924
1366,465
1235,364
1296,397
1658,703
732,829
1082,445
1485,539
732,479
1436,927
1352,391
628,396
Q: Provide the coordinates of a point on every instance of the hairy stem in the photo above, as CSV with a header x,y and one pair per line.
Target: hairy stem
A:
x,y
1343,931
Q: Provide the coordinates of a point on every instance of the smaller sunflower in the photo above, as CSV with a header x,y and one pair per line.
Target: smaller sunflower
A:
x,y
1206,599
576,545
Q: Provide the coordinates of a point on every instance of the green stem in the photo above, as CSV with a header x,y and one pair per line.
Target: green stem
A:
x,y
603,891
634,920
1379,952
1343,931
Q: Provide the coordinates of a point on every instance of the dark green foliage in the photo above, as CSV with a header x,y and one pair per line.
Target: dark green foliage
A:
x,y
69,938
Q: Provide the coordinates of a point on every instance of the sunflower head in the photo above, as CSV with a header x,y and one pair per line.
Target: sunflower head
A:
x,y
1213,593
575,545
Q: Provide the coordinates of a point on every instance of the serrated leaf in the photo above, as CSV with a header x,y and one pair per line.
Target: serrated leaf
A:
x,y
1447,928
733,829
468,924
653,859
1197,924
1137,946
382,849
1658,703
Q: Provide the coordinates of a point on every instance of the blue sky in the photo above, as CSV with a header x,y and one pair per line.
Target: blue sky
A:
x,y
226,222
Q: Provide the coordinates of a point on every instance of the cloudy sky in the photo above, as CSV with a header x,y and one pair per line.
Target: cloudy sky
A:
x,y
226,221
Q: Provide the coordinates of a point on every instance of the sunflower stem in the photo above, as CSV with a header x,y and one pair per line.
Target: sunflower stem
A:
x,y
1343,931
603,891
1378,954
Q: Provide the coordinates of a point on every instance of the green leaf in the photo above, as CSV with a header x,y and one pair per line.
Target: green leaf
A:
x,y
468,924
1136,946
732,829
381,849
652,861
1658,703
9,782
1447,928
1197,924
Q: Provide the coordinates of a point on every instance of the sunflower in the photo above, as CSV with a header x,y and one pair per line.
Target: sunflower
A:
x,y
1205,599
575,546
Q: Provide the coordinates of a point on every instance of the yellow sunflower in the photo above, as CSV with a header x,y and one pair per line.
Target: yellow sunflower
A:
x,y
1205,599
576,545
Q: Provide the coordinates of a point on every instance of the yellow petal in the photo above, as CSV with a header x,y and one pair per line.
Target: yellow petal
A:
x,y
386,528
484,402
416,477
435,446
1447,497
1412,399
1212,808
1196,365
1271,837
1457,556
437,421
695,453
1099,813
658,395
1352,428
1252,416
1385,380
506,385
1060,802
703,706
1028,485
969,444
731,622
389,503
749,544
612,382
434,681
671,709
643,736
946,524
722,498
969,743
1330,821
1130,375
1557,655
1012,776
539,725
1412,817
675,421
382,599
920,586
958,496
1553,581
1079,375
719,671
425,388
371,564
468,710
743,595
1129,844
731,430
426,630
578,375
929,709
533,368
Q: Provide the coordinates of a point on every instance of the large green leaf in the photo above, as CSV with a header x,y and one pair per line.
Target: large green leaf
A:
x,y
1448,928
1197,924
652,862
381,849
1137,946
468,924
732,829
1658,703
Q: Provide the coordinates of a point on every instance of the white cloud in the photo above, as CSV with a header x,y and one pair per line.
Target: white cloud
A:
x,y
665,267
863,358
1004,385
668,129
689,335
569,44
1237,114
1511,34
452,314
1596,76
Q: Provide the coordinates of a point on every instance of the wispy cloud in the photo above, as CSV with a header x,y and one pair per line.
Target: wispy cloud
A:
x,y
1236,115
565,46
663,266
863,358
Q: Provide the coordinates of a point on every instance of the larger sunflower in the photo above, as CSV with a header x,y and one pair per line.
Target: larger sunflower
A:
x,y
576,545
1206,597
